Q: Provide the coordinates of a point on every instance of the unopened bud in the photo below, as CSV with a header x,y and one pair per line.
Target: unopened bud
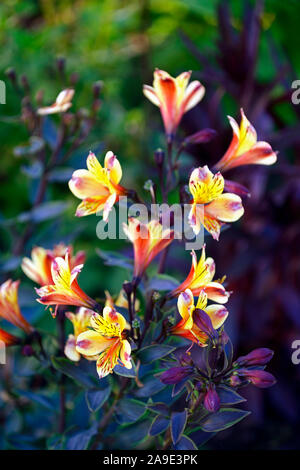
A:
x,y
211,399
175,375
97,87
258,357
236,188
27,350
159,156
60,64
259,378
201,137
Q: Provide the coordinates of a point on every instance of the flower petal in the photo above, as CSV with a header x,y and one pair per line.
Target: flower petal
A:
x,y
217,314
150,93
125,352
112,164
70,349
91,343
228,208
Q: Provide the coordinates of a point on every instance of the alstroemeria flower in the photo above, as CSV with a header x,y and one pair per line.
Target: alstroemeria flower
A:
x,y
38,268
210,206
61,104
148,240
173,96
65,289
80,321
7,339
187,326
200,278
107,339
98,187
120,301
9,306
244,148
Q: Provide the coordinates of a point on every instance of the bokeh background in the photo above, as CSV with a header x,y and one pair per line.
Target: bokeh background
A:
x,y
241,64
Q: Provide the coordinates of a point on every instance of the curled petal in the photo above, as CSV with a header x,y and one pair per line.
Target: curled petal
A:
x,y
217,314
91,343
125,352
70,349
150,93
216,292
194,93
227,208
84,184
184,304
112,164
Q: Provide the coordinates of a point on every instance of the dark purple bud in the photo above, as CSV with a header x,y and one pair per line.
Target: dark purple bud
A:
x,y
258,357
159,156
185,359
97,87
235,381
201,137
27,350
236,188
203,322
127,286
211,399
258,377
175,375
60,64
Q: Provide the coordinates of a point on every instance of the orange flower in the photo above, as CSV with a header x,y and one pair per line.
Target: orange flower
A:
x,y
244,148
98,187
187,327
107,340
173,96
7,339
148,240
200,278
38,268
65,289
81,321
210,207
61,104
9,306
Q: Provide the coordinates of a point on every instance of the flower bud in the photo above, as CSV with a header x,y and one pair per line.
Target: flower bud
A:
x,y
236,188
211,399
27,350
201,137
258,357
203,322
159,156
175,375
234,381
258,377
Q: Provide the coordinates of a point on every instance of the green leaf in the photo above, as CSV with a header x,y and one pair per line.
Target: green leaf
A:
x,y
124,372
159,425
223,419
228,396
163,282
96,398
81,440
112,259
159,408
178,422
38,398
152,385
154,352
74,372
185,443
130,410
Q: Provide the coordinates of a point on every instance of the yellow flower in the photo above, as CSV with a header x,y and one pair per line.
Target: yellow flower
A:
x,y
65,289
187,326
173,96
200,278
107,339
244,148
210,207
80,321
9,306
98,187
38,268
148,240
61,104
